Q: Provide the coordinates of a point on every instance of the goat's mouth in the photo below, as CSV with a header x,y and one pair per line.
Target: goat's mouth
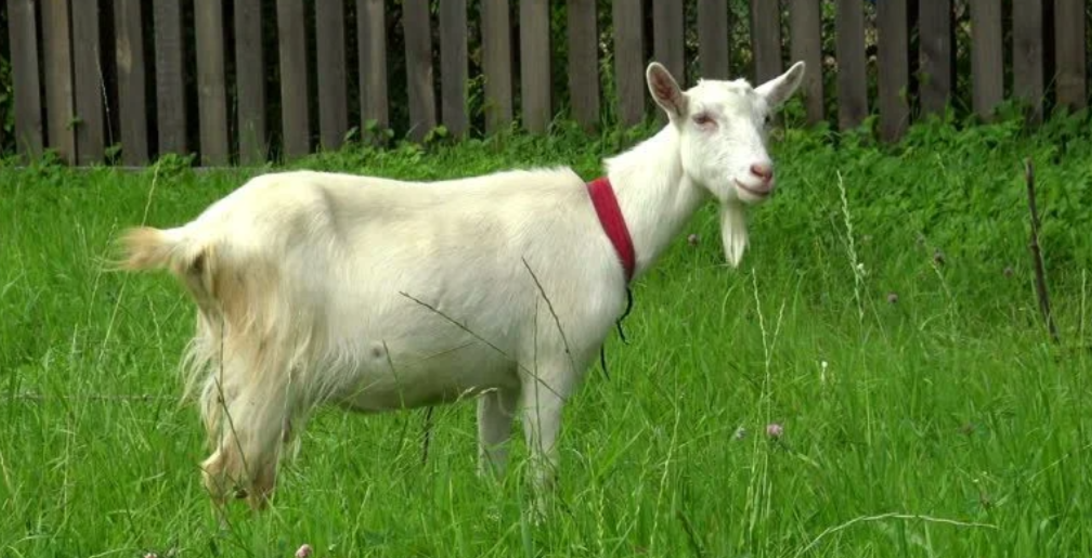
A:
x,y
756,192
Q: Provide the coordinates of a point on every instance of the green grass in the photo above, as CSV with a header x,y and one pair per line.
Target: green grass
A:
x,y
943,424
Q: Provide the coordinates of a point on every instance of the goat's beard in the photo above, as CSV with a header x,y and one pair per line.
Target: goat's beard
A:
x,y
733,231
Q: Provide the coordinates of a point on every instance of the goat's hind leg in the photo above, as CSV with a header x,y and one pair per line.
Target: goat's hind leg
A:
x,y
249,425
496,412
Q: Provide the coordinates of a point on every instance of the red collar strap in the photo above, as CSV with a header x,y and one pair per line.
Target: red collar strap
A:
x,y
614,223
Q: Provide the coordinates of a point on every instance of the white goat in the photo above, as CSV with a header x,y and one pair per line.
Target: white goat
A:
x,y
375,294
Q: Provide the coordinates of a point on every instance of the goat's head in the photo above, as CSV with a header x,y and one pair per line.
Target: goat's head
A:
x,y
722,139
722,130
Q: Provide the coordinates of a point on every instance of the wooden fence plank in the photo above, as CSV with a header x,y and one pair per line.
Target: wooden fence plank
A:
x,y
1027,55
496,64
1069,52
57,60
23,35
292,36
422,97
850,47
74,82
90,98
454,67
935,54
584,62
894,68
372,47
804,22
333,89
766,39
535,83
250,82
629,61
986,56
171,111
211,87
132,101
667,38
713,37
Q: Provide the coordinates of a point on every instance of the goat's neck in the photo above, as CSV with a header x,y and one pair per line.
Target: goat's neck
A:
x,y
655,195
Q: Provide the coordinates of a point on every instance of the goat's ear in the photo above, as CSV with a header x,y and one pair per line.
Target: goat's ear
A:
x,y
665,90
779,89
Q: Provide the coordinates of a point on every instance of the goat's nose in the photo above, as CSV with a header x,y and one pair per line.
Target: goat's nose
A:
x,y
763,171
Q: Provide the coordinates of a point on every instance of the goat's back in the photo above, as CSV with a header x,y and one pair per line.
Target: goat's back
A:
x,y
381,259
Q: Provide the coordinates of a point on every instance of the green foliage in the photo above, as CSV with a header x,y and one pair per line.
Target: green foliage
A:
x,y
7,103
940,423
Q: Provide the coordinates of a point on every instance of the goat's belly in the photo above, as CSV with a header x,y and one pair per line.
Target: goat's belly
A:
x,y
447,378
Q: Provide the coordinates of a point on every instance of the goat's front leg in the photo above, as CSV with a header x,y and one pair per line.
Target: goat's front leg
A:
x,y
541,400
496,410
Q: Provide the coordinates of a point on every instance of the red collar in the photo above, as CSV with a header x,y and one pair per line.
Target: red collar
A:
x,y
614,224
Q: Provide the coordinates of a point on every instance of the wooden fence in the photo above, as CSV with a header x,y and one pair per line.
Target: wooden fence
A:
x,y
91,75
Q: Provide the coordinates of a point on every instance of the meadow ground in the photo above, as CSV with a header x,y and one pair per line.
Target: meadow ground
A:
x,y
888,326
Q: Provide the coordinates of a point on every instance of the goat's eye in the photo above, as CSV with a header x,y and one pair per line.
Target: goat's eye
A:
x,y
704,120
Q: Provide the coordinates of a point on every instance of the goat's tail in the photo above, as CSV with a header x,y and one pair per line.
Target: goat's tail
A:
x,y
188,259
149,248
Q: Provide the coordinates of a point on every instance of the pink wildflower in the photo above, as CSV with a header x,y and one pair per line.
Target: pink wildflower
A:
x,y
774,430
